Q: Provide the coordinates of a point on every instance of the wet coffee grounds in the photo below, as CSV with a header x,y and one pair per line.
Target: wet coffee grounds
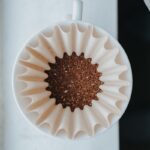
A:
x,y
73,81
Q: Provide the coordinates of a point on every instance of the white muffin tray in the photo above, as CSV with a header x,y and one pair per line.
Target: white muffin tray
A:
x,y
19,21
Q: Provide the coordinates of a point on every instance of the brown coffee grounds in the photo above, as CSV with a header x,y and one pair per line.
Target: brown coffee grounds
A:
x,y
73,81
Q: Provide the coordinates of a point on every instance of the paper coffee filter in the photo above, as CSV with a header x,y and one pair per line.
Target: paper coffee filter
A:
x,y
30,88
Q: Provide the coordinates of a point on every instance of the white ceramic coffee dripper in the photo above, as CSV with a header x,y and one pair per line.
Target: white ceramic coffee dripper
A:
x,y
80,37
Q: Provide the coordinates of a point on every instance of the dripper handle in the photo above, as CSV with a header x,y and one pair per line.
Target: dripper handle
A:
x,y
77,10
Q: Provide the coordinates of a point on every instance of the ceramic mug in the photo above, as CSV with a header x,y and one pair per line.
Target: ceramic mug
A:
x,y
72,36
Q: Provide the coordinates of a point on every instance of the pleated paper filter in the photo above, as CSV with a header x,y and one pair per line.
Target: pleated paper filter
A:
x,y
53,42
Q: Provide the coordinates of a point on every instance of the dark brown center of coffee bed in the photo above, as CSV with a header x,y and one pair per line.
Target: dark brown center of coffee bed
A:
x,y
73,81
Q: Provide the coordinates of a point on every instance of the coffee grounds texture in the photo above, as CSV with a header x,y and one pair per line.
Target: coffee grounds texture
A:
x,y
73,81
